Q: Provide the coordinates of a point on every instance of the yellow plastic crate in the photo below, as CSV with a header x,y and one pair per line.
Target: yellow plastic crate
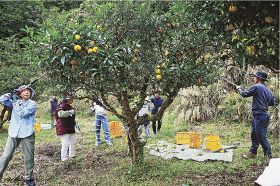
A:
x,y
213,142
193,139
37,127
115,129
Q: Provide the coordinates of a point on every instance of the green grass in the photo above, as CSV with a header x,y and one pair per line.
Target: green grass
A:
x,y
106,165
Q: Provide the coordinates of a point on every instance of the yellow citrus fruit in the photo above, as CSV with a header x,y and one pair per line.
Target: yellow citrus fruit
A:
x,y
158,66
158,71
235,38
268,19
106,47
166,52
77,48
95,49
158,77
92,43
90,50
207,56
251,50
232,8
77,37
222,151
163,65
98,27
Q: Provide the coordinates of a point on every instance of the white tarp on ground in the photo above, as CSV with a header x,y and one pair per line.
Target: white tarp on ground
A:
x,y
169,150
46,126
271,174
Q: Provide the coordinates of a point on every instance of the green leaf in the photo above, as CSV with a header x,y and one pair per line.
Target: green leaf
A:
x,y
62,60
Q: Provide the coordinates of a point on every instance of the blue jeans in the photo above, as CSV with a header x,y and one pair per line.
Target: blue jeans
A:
x,y
258,135
102,120
147,130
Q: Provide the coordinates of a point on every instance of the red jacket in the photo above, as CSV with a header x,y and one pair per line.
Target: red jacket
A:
x,y
64,125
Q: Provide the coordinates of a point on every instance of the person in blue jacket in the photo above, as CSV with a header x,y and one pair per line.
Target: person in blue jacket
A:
x,y
262,98
20,130
157,101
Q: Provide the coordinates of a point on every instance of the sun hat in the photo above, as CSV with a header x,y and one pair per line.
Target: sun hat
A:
x,y
24,87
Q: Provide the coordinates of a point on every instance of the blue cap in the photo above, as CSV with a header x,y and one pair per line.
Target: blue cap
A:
x,y
260,74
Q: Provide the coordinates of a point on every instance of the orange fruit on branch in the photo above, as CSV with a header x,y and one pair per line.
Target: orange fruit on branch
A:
x,y
232,8
268,19
73,62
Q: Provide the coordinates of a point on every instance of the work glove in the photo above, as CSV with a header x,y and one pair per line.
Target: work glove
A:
x,y
7,95
238,88
71,112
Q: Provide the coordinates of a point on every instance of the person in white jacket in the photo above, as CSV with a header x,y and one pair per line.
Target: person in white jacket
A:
x,y
101,119
145,110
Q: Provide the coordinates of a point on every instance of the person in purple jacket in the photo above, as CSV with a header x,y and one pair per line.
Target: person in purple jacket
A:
x,y
157,101
262,98
54,104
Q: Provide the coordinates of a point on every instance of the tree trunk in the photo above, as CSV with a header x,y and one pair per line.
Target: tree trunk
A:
x,y
3,119
136,145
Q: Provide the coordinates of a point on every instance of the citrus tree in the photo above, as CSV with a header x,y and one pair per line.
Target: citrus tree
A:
x,y
122,51
251,32
126,50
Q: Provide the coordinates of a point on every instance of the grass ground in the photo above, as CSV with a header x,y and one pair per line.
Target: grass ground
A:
x,y
106,165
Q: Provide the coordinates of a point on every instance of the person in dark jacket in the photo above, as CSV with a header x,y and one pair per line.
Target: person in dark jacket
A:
x,y
157,101
262,98
65,128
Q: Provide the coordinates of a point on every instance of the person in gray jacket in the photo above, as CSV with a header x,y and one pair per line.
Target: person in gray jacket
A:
x,y
145,110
